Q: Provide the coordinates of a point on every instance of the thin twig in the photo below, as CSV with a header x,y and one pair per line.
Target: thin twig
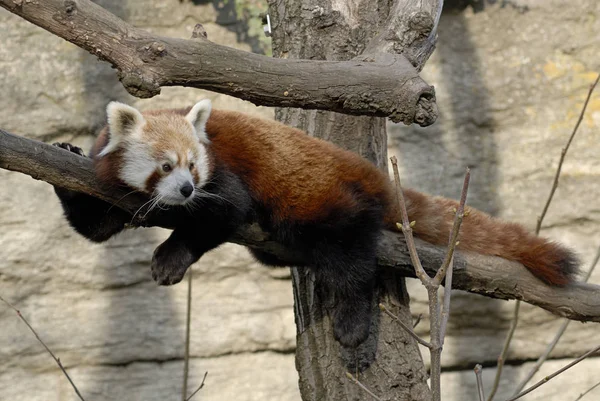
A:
x,y
188,319
362,386
587,391
553,375
563,154
502,357
478,369
432,284
418,320
405,327
45,346
448,265
540,219
407,229
199,387
557,337
458,218
446,304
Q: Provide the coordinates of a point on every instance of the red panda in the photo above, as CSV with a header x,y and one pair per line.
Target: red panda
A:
x,y
219,169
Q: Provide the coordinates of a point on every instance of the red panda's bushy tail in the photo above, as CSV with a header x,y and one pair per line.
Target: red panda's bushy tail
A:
x,y
550,262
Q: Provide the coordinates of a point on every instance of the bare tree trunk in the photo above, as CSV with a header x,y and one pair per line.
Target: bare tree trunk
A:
x,y
340,30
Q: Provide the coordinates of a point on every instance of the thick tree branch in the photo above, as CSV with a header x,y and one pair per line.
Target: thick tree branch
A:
x,y
384,85
485,275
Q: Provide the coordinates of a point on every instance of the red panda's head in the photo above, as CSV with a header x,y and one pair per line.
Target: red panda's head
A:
x,y
160,153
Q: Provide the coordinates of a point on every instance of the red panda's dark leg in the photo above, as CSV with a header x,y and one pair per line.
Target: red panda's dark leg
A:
x,y
223,208
91,217
184,247
345,265
350,278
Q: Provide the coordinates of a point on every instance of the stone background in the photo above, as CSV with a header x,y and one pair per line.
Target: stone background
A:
x,y
510,76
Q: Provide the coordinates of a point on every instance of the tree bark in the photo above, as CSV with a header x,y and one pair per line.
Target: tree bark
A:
x,y
339,30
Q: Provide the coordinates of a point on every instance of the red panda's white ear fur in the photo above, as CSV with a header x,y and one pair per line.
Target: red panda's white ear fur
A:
x,y
123,121
198,116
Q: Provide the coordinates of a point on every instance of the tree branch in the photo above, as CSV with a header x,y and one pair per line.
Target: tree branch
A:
x,y
384,85
486,275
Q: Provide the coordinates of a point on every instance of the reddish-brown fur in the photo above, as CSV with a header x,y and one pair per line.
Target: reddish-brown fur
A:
x,y
303,179
481,233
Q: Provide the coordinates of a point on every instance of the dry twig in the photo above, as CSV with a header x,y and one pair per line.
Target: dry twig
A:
x,y
432,284
57,360
188,320
405,327
199,387
417,320
362,386
557,337
504,352
553,375
478,369
563,154
587,391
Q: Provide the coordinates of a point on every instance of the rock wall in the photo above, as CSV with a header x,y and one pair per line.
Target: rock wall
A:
x,y
510,79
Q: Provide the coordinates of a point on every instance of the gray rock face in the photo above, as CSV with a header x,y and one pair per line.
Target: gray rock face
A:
x,y
510,83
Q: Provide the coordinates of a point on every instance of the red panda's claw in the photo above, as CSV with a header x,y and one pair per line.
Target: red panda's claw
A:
x,y
67,146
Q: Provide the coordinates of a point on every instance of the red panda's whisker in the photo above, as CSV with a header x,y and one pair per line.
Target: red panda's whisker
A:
x,y
120,199
140,208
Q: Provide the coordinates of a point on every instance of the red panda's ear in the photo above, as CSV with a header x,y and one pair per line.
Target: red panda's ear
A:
x,y
198,116
123,121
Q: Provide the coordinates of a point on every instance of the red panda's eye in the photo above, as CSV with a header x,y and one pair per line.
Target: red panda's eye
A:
x,y
166,167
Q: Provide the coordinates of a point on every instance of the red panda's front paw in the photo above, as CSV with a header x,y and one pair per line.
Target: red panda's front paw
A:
x,y
70,148
170,262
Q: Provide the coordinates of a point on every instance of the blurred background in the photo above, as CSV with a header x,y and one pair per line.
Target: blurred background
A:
x,y
510,78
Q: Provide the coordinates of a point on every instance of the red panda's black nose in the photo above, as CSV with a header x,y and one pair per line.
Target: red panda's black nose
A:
x,y
186,190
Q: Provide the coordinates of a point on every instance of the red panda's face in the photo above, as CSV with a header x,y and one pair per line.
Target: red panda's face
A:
x,y
163,154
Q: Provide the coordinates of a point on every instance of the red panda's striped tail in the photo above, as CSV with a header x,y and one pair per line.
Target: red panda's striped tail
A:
x,y
550,262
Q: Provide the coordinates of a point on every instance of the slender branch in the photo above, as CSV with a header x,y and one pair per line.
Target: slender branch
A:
x,y
553,375
458,218
540,219
57,360
417,320
446,302
406,228
188,320
405,327
437,325
362,386
504,352
446,270
556,339
478,369
587,391
480,274
385,85
199,387
563,154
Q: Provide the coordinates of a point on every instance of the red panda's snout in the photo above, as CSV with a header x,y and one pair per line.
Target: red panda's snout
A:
x,y
177,186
